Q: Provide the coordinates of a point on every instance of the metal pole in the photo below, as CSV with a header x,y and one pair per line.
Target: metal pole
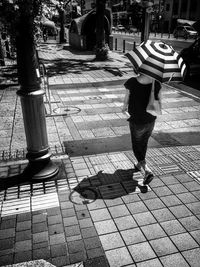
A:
x,y
115,43
134,46
2,60
40,165
124,46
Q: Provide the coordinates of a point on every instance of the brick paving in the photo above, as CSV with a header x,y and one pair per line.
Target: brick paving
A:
x,y
94,213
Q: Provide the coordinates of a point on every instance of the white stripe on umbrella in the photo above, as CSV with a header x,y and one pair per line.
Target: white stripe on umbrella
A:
x,y
169,56
157,60
168,50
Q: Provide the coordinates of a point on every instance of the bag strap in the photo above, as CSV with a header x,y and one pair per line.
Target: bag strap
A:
x,y
153,88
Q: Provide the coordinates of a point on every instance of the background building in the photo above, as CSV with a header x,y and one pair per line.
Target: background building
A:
x,y
179,9
163,18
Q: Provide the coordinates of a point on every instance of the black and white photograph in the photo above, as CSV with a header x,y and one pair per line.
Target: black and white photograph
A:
x,y
99,133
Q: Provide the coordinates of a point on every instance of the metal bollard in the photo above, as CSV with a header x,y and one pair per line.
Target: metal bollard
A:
x,y
134,46
124,44
116,44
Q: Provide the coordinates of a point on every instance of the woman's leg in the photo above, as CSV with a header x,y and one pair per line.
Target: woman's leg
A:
x,y
140,134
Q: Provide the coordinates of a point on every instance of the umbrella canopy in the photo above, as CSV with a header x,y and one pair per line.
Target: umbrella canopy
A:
x,y
157,60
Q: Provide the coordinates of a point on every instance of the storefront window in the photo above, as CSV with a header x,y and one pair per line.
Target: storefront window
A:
x,y
193,7
175,7
183,8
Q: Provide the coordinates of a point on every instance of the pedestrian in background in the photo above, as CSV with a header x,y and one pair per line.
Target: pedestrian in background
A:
x,y
45,34
141,122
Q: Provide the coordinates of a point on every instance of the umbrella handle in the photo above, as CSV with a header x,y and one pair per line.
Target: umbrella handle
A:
x,y
171,77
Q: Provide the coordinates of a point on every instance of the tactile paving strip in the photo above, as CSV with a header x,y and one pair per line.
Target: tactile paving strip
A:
x,y
197,147
170,168
195,175
189,166
194,155
153,152
98,159
123,165
168,150
185,148
156,170
160,160
178,157
117,157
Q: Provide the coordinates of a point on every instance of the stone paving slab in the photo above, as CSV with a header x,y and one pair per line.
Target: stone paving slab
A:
x,y
80,119
96,210
161,222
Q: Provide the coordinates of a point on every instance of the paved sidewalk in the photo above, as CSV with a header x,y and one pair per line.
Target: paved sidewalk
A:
x,y
94,213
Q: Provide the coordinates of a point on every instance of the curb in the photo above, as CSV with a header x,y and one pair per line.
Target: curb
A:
x,y
190,91
88,84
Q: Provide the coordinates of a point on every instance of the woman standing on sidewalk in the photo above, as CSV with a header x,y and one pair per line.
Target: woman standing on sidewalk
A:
x,y
141,122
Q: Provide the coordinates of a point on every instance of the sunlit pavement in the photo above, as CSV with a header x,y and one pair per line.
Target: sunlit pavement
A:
x,y
94,213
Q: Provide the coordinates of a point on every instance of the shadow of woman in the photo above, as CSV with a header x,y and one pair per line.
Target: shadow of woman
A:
x,y
108,186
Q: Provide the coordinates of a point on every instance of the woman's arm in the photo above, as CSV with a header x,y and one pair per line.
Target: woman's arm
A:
x,y
126,100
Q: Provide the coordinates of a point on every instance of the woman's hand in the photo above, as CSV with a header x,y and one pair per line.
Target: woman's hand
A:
x,y
126,100
124,109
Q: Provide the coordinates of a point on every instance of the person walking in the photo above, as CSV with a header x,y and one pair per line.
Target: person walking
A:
x,y
141,122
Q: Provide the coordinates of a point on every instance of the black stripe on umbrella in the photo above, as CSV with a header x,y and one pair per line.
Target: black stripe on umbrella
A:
x,y
170,67
159,47
168,58
164,79
157,60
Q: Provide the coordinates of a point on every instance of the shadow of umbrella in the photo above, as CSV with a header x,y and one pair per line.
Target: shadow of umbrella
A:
x,y
107,186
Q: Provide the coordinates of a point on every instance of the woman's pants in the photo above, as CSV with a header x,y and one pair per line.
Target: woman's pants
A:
x,y
140,134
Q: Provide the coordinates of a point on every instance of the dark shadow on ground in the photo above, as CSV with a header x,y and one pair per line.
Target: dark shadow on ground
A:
x,y
165,139
76,148
109,186
14,180
114,71
26,177
189,138
98,145
68,66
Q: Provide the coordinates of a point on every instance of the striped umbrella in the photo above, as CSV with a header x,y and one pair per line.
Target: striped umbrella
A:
x,y
157,60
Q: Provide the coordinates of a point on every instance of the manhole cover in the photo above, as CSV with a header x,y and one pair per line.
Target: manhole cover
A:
x,y
67,110
84,196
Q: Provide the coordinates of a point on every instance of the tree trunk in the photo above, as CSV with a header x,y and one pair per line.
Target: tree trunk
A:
x,y
145,26
62,24
101,50
2,60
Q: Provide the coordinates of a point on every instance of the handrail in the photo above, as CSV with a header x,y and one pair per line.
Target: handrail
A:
x,y
45,84
44,81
